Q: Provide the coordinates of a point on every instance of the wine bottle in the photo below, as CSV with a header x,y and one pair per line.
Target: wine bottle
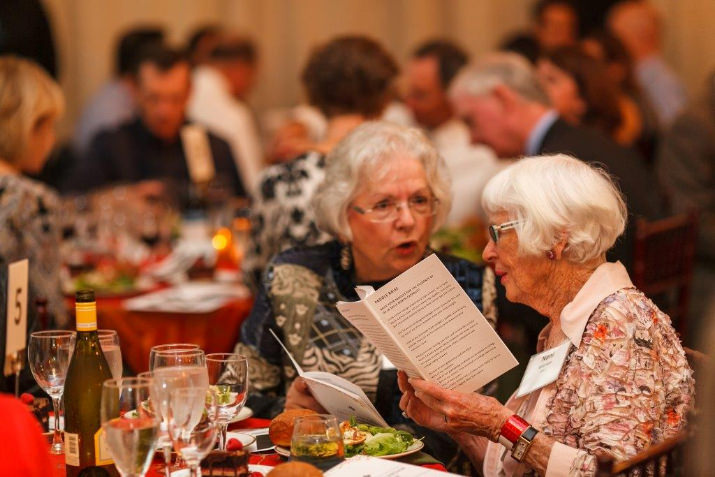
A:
x,y
86,453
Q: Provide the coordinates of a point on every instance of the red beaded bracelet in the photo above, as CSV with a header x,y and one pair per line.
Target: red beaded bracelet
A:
x,y
513,428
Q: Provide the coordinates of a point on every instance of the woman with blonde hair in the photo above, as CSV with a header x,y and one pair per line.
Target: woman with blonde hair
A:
x,y
30,104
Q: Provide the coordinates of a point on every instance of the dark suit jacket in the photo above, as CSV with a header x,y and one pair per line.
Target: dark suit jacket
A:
x,y
131,153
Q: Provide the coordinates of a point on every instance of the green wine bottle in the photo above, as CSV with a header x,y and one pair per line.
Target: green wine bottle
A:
x,y
86,454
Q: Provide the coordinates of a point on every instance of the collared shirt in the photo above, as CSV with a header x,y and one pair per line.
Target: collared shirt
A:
x,y
663,88
536,136
213,106
111,106
622,344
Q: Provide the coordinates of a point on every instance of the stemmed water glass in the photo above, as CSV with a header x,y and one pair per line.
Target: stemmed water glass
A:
x,y
109,340
228,377
193,423
49,354
182,365
130,424
162,384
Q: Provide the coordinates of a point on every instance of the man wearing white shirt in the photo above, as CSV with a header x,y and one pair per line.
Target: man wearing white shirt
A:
x,y
218,102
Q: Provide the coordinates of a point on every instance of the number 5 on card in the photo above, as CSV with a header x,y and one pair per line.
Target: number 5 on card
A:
x,y
16,313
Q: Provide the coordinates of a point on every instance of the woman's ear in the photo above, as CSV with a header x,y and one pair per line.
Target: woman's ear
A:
x,y
560,246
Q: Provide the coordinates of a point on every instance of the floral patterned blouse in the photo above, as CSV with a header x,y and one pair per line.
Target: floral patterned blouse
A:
x,y
625,384
281,213
29,229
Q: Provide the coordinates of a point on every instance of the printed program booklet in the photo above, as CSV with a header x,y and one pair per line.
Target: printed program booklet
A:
x,y
337,395
426,325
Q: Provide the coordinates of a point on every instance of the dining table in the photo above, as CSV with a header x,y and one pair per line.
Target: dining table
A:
x,y
215,331
268,459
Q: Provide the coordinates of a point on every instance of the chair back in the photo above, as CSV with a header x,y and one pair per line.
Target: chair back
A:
x,y
663,264
659,460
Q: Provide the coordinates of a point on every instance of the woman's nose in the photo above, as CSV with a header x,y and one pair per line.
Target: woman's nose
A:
x,y
405,215
490,251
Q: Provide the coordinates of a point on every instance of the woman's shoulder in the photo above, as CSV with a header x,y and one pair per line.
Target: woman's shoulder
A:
x,y
22,195
292,172
317,258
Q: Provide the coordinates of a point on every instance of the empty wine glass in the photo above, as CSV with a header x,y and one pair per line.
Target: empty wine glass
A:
x,y
171,347
109,340
49,354
162,384
193,423
317,440
130,424
228,377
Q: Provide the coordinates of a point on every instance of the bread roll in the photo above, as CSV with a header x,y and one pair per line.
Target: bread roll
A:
x,y
295,469
281,428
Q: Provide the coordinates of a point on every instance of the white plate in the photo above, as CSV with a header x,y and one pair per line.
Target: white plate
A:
x,y
248,441
416,446
243,414
263,469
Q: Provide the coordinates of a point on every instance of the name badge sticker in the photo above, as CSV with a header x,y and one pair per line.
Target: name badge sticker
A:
x,y
543,368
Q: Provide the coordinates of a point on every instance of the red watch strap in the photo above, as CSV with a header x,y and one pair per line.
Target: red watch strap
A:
x,y
513,428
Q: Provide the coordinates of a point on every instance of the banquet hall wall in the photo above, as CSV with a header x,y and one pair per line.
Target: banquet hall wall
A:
x,y
285,30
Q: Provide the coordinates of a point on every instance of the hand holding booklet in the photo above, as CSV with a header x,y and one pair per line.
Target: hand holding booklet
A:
x,y
337,395
427,326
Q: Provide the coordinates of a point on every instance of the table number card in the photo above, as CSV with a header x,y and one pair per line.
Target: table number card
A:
x,y
16,314
198,153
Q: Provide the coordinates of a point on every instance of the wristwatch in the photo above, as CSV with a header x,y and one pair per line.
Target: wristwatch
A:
x,y
522,445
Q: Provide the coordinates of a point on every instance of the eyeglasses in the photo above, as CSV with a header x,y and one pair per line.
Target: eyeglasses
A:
x,y
388,210
495,229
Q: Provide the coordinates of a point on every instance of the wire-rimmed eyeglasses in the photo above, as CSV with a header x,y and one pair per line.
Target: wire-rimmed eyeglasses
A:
x,y
388,210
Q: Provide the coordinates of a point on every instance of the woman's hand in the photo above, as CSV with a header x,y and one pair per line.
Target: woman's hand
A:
x,y
299,397
451,411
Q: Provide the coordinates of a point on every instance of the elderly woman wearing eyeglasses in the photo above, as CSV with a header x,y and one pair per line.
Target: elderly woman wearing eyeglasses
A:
x,y
386,190
610,376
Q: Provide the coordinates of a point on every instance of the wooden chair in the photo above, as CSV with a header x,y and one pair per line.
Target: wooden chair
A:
x,y
660,460
663,261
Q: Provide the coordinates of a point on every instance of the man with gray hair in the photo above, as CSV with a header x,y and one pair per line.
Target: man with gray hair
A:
x,y
503,104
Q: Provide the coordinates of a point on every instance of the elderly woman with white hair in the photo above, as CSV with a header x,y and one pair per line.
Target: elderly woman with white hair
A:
x,y
611,375
385,191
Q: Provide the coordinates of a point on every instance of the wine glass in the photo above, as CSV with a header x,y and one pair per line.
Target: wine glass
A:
x,y
162,384
109,340
49,354
193,423
130,424
228,377
317,440
172,347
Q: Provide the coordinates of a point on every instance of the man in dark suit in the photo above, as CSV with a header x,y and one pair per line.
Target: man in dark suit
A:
x,y
502,102
150,146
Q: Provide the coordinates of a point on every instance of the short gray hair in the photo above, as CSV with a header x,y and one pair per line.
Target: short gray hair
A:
x,y
549,195
508,69
359,155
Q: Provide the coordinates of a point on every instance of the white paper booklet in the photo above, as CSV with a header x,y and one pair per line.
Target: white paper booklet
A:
x,y
337,395
425,323
366,466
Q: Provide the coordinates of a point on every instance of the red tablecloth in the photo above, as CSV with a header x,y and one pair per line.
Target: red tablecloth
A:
x,y
214,332
269,459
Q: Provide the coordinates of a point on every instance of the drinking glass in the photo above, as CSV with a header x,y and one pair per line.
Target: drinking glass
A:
x,y
160,389
109,340
130,424
193,423
166,348
228,377
317,440
49,354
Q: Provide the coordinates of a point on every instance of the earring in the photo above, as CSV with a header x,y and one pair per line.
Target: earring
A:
x,y
550,255
346,257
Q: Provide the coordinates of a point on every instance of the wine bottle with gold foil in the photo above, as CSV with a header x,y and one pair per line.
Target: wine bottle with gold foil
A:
x,y
86,453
